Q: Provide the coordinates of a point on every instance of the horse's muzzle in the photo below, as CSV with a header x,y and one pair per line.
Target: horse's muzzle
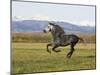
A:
x,y
44,31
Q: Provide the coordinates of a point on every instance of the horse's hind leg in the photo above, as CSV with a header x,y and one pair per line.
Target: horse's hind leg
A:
x,y
71,52
48,46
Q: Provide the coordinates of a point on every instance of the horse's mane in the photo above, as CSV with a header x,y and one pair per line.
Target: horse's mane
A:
x,y
59,29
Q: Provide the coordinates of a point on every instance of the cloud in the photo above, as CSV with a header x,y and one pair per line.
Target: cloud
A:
x,y
50,18
87,23
91,23
17,18
83,23
41,17
35,16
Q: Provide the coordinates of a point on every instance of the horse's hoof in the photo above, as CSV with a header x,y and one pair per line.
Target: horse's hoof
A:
x,y
68,60
48,51
57,50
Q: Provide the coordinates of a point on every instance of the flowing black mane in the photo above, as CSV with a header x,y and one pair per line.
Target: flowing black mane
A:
x,y
58,28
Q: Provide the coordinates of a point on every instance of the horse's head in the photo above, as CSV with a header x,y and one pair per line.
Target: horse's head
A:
x,y
49,28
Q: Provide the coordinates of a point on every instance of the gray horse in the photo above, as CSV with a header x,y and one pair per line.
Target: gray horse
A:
x,y
61,39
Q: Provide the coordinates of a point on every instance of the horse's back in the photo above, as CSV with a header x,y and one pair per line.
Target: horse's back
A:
x,y
71,38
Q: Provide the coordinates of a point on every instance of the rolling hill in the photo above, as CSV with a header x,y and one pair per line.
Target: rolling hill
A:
x,y
38,26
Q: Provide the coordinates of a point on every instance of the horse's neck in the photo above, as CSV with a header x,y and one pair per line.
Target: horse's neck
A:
x,y
55,35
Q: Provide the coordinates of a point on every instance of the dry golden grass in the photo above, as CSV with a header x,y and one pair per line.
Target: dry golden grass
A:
x,y
44,38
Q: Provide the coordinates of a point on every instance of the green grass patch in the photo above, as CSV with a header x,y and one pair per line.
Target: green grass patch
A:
x,y
33,57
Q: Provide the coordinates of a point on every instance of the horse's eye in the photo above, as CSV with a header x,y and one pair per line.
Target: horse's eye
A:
x,y
48,26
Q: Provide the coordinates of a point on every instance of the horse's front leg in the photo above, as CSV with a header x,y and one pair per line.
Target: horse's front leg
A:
x,y
56,44
54,47
48,47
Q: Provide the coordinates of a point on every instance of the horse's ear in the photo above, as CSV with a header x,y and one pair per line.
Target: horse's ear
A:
x,y
51,23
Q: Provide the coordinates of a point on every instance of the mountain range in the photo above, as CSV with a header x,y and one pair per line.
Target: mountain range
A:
x,y
38,26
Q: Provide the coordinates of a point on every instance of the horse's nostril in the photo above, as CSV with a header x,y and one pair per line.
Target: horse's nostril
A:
x,y
44,31
50,29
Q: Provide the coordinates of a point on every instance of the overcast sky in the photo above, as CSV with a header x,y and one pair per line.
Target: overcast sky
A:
x,y
81,15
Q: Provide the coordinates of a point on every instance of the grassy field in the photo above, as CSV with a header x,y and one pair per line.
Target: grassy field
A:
x,y
33,57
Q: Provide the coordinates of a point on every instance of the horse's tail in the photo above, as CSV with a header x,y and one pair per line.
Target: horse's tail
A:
x,y
82,40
